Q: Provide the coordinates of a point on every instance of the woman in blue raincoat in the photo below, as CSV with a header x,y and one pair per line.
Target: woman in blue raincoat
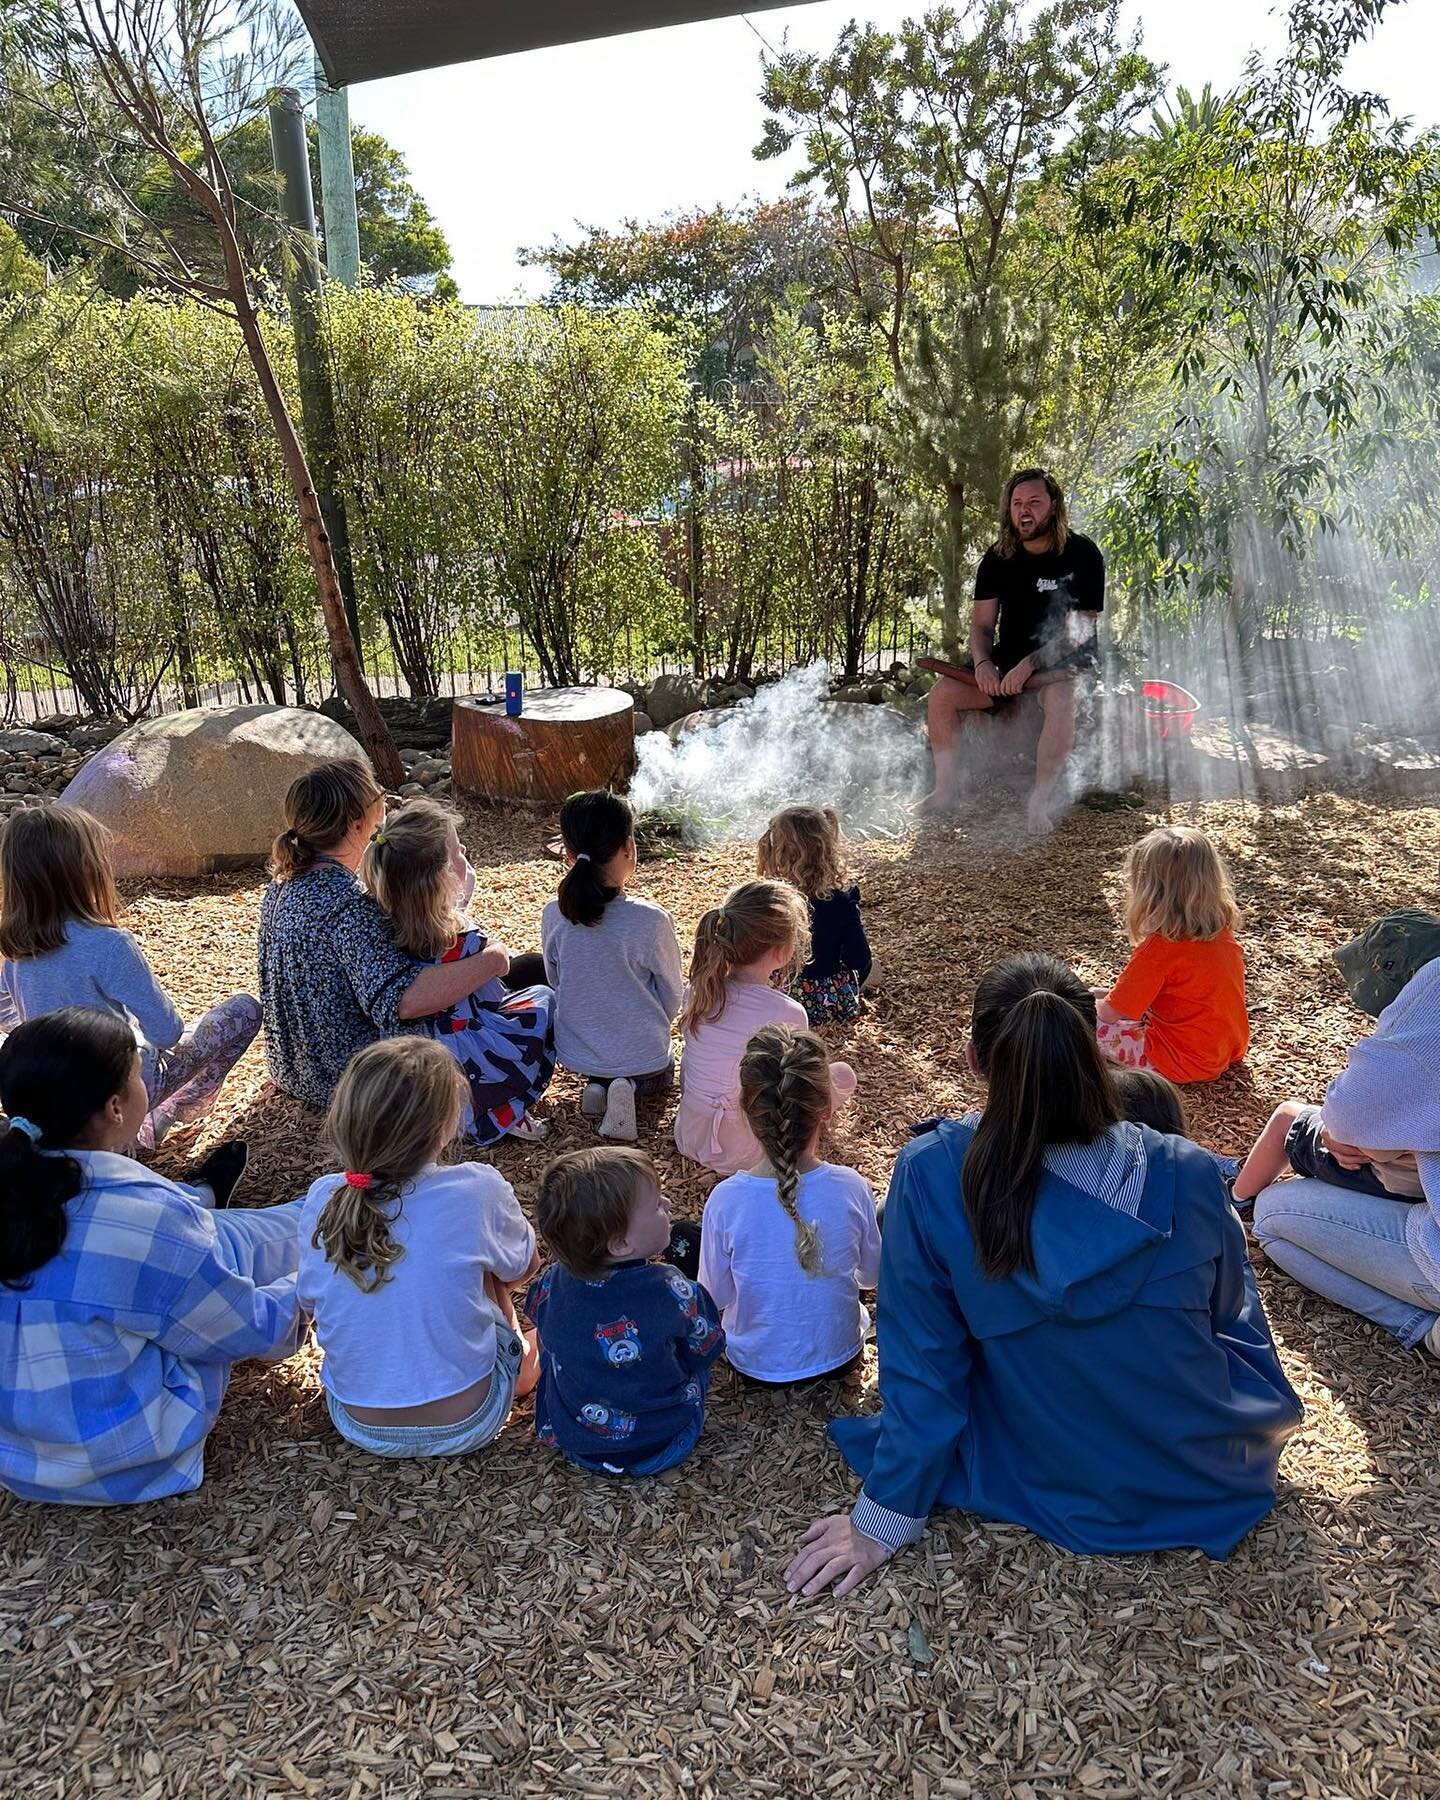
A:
x,y
1069,1332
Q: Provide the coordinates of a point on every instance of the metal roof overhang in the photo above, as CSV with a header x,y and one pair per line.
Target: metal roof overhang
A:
x,y
365,40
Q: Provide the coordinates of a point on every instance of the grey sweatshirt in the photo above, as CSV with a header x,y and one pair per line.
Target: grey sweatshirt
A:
x,y
617,987
99,966
1387,1097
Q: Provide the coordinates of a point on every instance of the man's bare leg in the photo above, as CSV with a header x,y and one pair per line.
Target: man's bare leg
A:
x,y
1057,740
946,708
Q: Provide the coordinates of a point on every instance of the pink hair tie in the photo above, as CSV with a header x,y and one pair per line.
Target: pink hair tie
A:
x,y
357,1180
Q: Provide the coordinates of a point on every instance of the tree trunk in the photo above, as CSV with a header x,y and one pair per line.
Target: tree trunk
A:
x,y
951,597
370,726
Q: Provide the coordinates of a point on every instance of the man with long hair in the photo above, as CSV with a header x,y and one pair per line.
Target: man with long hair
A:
x,y
1039,592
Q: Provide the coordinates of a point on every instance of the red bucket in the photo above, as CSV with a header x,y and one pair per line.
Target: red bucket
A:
x,y
1170,708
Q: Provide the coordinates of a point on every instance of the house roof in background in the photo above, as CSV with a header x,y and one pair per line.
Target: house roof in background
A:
x,y
364,40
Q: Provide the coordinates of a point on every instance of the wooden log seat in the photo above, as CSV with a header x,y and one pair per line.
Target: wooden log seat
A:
x,y
566,739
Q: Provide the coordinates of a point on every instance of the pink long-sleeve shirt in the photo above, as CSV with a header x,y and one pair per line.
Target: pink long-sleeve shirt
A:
x,y
710,1128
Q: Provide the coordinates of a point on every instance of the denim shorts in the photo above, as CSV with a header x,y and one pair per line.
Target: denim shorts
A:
x,y
1308,1156
481,1428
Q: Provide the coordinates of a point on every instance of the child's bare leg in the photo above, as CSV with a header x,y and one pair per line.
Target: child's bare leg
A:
x,y
504,1299
1267,1162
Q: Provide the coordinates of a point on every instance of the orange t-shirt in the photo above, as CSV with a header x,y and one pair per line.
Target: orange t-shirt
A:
x,y
1191,996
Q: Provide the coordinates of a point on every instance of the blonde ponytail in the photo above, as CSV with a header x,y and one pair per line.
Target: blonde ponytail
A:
x,y
756,916
396,1107
785,1094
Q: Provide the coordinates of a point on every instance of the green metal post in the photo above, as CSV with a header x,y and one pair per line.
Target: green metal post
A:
x,y
337,181
305,290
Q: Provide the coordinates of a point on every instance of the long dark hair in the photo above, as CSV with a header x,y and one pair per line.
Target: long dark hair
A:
x,y
1008,543
1033,1028
595,827
56,1072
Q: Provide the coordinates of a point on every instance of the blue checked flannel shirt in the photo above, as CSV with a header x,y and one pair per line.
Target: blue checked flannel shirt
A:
x,y
115,1359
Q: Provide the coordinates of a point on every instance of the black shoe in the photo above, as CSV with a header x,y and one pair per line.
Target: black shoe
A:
x,y
222,1170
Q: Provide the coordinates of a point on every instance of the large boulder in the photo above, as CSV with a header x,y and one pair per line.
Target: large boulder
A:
x,y
671,697
202,790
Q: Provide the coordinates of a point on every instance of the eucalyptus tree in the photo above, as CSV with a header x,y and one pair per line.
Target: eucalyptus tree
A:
x,y
1283,227
946,153
164,81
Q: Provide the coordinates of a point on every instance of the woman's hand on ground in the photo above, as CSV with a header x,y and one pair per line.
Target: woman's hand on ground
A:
x,y
833,1551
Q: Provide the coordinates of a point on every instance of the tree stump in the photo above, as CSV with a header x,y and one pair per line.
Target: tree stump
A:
x,y
566,739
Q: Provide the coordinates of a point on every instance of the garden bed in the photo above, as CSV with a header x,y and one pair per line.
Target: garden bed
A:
x,y
315,1622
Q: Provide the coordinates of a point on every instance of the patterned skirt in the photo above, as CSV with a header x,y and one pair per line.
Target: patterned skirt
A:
x,y
830,999
505,1046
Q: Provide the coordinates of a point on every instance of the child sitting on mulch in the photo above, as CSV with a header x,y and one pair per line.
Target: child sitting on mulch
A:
x,y
415,870
788,1245
63,945
408,1267
614,962
1179,1005
1147,1098
1377,967
802,845
626,1344
761,932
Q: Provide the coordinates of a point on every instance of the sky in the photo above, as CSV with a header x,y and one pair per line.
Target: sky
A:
x,y
515,150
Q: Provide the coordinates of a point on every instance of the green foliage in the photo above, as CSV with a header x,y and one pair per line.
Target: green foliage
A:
x,y
79,544
713,278
1277,229
406,383
574,425
950,153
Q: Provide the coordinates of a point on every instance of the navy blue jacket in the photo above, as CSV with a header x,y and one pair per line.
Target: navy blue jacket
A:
x,y
837,937
623,1360
1127,1396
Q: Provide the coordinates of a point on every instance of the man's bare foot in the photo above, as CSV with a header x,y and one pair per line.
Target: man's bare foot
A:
x,y
1038,819
936,805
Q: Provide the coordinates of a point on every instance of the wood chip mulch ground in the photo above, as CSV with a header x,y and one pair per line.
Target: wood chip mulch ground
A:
x,y
315,1622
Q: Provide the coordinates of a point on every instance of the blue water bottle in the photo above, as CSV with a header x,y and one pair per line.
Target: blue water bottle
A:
x,y
514,693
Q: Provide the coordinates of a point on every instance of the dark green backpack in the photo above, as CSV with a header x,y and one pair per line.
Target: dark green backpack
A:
x,y
1377,964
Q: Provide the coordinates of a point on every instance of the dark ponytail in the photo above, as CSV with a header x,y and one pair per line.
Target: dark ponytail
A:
x,y
595,828
1033,1029
56,1073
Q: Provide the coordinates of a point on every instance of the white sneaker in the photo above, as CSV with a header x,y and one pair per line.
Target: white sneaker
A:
x,y
592,1101
619,1120
1431,1339
528,1130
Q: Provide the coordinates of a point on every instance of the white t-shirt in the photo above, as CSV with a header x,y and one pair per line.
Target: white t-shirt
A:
x,y
429,1330
780,1323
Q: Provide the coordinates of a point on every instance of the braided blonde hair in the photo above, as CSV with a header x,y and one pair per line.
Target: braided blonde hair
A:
x,y
785,1094
756,916
396,1107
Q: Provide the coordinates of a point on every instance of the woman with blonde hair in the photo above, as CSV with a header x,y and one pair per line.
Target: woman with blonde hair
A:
x,y
332,977
760,932
1179,1005
409,1267
63,945
788,1245
415,870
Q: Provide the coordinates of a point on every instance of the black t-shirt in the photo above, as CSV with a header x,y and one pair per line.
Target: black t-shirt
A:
x,y
1036,592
